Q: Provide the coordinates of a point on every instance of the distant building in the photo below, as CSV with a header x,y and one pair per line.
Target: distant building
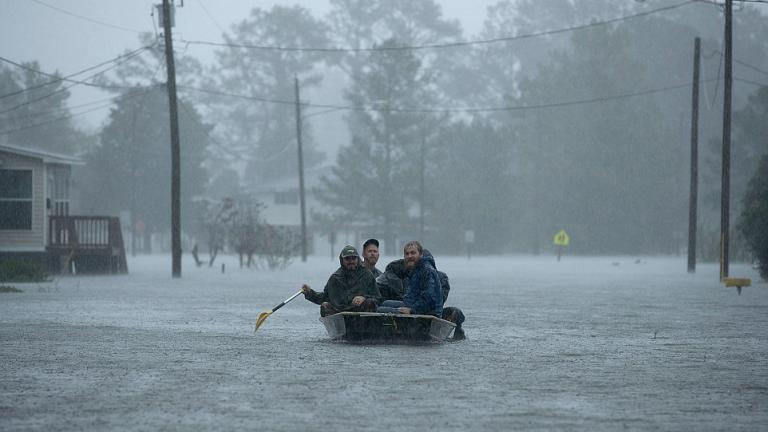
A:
x,y
283,208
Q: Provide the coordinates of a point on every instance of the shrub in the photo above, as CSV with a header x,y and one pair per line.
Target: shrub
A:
x,y
9,289
21,271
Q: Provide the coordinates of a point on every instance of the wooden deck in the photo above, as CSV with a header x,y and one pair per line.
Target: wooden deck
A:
x,y
86,244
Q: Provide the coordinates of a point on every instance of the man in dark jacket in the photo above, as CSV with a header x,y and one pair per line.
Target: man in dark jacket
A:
x,y
391,286
423,294
351,288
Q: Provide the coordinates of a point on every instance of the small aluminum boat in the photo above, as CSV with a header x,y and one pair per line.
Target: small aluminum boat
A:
x,y
372,327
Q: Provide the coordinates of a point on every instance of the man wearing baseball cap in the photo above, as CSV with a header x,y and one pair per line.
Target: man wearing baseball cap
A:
x,y
351,288
371,256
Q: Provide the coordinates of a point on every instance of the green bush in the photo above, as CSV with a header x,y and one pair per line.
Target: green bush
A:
x,y
753,223
21,271
9,289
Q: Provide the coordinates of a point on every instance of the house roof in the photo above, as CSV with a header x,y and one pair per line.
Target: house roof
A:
x,y
46,156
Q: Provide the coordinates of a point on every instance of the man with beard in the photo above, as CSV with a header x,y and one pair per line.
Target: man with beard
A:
x,y
351,288
423,294
371,256
391,285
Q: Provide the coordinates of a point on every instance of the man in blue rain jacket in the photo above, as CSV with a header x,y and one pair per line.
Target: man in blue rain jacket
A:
x,y
423,293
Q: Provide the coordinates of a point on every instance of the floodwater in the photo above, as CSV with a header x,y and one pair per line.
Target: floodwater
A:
x,y
598,343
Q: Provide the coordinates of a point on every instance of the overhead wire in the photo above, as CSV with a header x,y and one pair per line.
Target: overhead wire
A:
x,y
201,3
65,109
65,88
379,108
445,44
67,116
133,92
105,102
717,79
205,130
67,78
72,14
737,61
332,108
759,84
716,3
236,156
749,66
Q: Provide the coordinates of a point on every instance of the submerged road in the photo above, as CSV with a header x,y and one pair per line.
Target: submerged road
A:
x,y
585,344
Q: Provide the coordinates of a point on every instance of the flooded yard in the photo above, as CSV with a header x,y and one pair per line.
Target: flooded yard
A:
x,y
599,343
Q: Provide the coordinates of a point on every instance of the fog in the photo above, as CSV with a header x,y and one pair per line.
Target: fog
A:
x,y
483,129
541,150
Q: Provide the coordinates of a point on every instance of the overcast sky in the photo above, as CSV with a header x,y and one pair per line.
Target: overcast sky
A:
x,y
72,35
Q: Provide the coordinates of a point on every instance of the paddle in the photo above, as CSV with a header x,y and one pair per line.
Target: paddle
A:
x,y
263,316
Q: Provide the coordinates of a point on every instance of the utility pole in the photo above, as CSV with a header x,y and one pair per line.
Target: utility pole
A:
x,y
134,219
301,174
726,160
422,192
693,199
175,145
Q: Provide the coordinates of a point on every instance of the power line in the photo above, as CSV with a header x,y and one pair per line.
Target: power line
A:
x,y
236,156
743,63
750,82
754,68
208,13
720,65
63,89
323,112
72,14
447,44
64,109
740,1
68,77
205,130
129,95
375,108
258,99
371,108
131,90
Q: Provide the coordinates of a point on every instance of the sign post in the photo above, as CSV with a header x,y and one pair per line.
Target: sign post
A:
x,y
469,238
561,240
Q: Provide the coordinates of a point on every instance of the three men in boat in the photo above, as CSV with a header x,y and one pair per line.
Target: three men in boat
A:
x,y
411,285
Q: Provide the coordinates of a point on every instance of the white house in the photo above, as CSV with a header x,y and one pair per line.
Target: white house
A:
x,y
281,197
35,221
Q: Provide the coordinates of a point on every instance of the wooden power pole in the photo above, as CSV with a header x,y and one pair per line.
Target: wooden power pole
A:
x,y
175,145
302,201
726,160
693,201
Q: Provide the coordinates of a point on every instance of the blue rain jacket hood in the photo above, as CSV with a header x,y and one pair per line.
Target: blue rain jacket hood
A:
x,y
423,293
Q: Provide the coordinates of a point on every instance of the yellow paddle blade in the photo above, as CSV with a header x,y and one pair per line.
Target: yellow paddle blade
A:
x,y
261,318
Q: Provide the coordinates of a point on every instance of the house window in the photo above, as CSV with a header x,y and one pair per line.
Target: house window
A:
x,y
287,198
58,190
15,199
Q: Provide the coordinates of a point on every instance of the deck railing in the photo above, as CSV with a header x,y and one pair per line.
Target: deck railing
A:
x,y
77,236
84,232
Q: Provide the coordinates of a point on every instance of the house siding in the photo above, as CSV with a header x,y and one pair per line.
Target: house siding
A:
x,y
34,239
